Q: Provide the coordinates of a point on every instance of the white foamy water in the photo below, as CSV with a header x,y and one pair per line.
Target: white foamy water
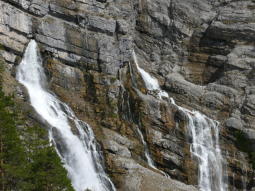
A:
x,y
81,156
203,136
129,117
151,83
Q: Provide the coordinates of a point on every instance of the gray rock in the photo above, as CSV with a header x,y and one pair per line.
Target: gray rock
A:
x,y
218,60
175,160
122,26
233,21
116,148
249,105
249,134
118,138
214,100
39,7
172,147
234,79
241,58
141,179
227,91
176,83
185,42
234,123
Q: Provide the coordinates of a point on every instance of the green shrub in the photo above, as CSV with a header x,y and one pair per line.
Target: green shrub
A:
x,y
245,147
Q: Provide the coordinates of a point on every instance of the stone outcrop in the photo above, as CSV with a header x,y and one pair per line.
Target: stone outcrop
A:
x,y
201,51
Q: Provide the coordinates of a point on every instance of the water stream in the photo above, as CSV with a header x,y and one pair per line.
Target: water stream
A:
x,y
244,177
234,188
81,155
147,150
127,115
203,136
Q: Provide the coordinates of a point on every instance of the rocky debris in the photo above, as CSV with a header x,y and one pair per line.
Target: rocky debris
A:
x,y
141,179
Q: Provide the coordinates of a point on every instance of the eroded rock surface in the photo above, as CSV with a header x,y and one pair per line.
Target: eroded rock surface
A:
x,y
201,51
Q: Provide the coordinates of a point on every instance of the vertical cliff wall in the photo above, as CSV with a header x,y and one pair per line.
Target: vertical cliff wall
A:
x,y
201,51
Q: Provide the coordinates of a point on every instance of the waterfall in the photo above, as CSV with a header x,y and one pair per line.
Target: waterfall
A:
x,y
151,83
147,150
203,136
227,155
127,115
234,182
81,156
244,177
132,76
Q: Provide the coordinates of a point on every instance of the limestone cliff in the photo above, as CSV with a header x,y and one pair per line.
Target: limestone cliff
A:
x,y
201,51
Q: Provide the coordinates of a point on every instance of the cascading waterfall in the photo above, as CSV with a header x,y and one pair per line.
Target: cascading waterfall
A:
x,y
81,156
129,117
203,136
234,182
147,150
151,83
244,177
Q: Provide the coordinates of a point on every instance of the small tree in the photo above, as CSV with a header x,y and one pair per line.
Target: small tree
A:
x,y
244,145
12,155
46,171
27,160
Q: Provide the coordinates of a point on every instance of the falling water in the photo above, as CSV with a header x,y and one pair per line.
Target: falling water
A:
x,y
227,155
244,177
151,83
132,76
80,155
147,150
127,115
203,136
234,182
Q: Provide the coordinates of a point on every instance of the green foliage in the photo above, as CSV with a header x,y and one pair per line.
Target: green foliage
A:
x,y
245,147
1,47
112,114
11,166
46,171
1,68
27,159
113,80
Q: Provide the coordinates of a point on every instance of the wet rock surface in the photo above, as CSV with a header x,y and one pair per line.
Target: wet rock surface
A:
x,y
202,53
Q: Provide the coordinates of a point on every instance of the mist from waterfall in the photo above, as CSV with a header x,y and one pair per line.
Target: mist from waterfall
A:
x,y
81,154
203,136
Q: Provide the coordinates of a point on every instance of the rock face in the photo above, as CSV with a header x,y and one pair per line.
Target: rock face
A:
x,y
201,51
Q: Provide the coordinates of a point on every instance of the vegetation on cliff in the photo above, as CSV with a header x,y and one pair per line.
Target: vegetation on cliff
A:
x,y
28,160
245,147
